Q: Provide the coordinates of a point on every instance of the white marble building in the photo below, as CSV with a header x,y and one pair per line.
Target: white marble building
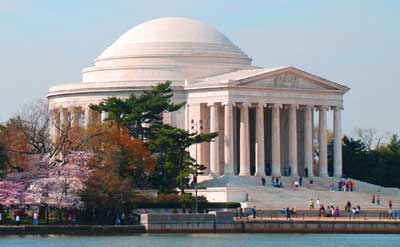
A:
x,y
264,116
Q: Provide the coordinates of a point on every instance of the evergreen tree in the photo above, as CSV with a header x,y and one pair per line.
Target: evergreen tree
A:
x,y
139,114
174,164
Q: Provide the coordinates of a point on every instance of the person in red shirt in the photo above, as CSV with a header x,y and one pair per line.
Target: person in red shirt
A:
x,y
390,203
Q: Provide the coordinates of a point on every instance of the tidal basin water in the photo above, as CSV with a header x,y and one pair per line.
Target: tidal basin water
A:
x,y
205,240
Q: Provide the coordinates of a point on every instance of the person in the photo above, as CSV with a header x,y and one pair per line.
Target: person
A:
x,y
17,220
390,203
311,203
311,181
337,211
254,212
69,218
241,213
35,218
331,187
301,181
373,199
263,181
390,213
394,214
287,213
317,202
1,218
378,200
117,220
348,206
306,172
74,219
123,217
322,210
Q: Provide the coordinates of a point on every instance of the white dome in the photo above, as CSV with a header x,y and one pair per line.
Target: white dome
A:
x,y
170,48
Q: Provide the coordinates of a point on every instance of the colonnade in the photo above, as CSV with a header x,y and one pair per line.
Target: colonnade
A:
x,y
62,118
291,134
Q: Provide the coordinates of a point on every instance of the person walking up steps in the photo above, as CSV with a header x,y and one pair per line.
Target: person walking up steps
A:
x,y
311,203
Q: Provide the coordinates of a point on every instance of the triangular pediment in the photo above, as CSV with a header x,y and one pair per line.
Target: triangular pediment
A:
x,y
288,78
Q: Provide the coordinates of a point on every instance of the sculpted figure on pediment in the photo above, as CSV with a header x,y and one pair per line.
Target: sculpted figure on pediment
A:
x,y
286,80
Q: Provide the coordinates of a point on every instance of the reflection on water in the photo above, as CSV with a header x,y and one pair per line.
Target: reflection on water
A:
x,y
204,240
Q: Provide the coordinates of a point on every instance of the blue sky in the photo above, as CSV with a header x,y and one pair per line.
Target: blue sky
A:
x,y
356,43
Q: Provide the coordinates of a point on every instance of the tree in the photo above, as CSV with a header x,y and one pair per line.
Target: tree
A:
x,y
3,161
175,165
368,137
107,194
116,150
13,193
140,113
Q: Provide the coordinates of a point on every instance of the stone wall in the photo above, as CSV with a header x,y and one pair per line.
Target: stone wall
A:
x,y
223,222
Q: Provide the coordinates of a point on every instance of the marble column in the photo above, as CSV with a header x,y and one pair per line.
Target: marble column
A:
x,y
323,142
54,124
276,141
337,143
88,117
104,116
293,140
308,140
214,145
75,116
228,138
260,156
64,118
244,140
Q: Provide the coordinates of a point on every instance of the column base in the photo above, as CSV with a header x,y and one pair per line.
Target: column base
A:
x,y
323,175
259,174
244,174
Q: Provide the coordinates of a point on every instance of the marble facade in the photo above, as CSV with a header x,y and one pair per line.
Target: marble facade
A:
x,y
264,117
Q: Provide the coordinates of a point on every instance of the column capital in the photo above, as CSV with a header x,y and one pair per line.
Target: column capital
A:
x,y
307,107
337,108
322,108
227,103
295,106
274,105
245,104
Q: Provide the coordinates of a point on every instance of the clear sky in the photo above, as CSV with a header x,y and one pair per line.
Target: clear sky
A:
x,y
356,43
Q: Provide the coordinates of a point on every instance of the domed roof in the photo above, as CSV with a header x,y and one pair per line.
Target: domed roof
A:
x,y
169,31
171,48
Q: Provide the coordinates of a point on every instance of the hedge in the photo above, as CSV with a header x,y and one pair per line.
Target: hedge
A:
x,y
215,205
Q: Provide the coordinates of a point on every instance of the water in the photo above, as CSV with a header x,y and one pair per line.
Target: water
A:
x,y
205,240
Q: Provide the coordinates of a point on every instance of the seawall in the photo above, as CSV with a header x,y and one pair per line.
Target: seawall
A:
x,y
71,230
224,223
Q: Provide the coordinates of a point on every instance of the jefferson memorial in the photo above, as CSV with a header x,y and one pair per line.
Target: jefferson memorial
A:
x,y
264,116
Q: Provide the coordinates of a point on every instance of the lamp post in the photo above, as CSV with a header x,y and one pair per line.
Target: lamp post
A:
x,y
195,127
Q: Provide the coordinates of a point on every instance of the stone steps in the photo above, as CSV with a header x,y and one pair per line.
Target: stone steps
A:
x,y
269,197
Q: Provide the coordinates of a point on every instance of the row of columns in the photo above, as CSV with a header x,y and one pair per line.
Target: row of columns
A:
x,y
72,116
293,161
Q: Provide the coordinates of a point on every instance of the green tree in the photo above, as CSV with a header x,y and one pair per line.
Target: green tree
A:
x,y
139,114
175,165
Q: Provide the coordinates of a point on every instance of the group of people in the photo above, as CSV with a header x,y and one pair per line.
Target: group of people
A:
x,y
377,199
241,214
288,212
296,183
275,182
331,210
344,185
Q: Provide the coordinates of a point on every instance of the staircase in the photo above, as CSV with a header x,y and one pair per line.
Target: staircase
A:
x,y
264,197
